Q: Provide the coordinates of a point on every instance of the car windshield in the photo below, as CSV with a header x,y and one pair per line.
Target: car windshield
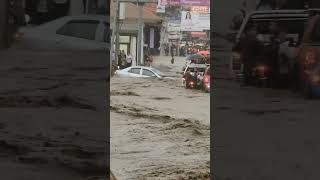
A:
x,y
192,69
157,71
264,27
316,32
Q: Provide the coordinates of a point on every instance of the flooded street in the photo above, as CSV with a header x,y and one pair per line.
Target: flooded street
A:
x,y
51,109
266,130
159,129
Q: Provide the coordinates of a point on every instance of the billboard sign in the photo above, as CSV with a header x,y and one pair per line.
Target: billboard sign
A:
x,y
195,2
173,26
200,9
169,2
191,21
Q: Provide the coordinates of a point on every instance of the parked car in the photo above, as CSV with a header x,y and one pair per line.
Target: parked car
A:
x,y
86,32
139,71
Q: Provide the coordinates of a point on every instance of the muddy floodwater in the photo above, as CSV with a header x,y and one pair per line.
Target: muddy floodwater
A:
x,y
53,115
159,129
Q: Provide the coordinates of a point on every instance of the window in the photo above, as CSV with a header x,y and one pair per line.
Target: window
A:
x,y
124,39
147,73
265,27
316,32
135,70
106,34
85,29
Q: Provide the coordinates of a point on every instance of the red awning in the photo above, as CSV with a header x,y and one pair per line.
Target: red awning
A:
x,y
198,34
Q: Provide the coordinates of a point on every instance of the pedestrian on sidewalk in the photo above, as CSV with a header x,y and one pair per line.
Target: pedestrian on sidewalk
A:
x,y
129,59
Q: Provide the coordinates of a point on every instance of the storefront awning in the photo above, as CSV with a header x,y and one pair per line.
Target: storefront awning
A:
x,y
198,34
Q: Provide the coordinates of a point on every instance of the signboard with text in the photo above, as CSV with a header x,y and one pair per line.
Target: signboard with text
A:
x,y
191,21
195,2
174,26
169,2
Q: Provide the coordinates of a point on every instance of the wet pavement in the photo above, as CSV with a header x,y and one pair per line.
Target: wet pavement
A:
x,y
159,129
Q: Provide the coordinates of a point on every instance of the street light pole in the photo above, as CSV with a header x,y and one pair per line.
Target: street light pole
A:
x,y
140,35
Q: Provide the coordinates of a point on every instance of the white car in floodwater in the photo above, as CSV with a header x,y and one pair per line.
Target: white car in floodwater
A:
x,y
85,32
139,71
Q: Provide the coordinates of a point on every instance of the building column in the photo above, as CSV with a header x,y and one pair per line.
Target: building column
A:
x,y
133,49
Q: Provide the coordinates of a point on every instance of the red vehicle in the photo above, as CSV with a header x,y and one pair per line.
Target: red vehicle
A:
x,y
308,54
206,80
189,80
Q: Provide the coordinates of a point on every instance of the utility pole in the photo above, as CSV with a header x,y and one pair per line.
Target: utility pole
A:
x,y
140,34
117,30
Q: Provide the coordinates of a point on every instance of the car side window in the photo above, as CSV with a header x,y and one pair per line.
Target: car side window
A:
x,y
85,29
135,70
106,33
146,72
316,32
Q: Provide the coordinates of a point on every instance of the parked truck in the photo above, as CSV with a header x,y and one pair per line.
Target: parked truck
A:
x,y
12,16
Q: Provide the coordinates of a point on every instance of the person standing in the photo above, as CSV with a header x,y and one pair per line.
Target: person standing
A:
x,y
249,48
172,50
129,60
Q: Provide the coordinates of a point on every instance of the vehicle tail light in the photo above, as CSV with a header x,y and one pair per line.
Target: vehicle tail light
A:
x,y
310,57
262,68
18,36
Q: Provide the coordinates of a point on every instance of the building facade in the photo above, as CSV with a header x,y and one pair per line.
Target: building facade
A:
x,y
129,28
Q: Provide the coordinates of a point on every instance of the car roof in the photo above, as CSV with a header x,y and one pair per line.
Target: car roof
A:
x,y
291,12
273,14
144,67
